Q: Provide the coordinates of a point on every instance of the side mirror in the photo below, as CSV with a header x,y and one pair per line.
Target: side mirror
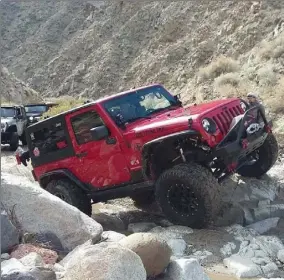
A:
x,y
99,133
177,99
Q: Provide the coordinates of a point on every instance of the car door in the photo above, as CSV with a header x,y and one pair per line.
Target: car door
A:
x,y
100,163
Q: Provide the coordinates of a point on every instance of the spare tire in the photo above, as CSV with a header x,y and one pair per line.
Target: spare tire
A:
x,y
262,159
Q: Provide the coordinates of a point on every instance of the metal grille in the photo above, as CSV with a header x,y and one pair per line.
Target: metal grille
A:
x,y
224,119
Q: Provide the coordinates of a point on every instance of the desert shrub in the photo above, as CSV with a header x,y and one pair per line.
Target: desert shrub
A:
x,y
274,97
273,49
227,79
64,104
221,65
266,76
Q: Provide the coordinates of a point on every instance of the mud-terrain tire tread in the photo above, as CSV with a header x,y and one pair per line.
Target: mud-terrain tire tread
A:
x,y
79,199
14,142
204,185
268,156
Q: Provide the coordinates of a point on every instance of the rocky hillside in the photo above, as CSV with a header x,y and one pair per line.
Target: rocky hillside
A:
x,y
12,90
92,48
203,50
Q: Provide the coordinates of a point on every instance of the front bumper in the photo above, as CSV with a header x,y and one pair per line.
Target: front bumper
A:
x,y
239,143
5,137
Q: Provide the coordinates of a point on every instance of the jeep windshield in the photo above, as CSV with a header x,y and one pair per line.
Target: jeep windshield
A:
x,y
140,104
7,112
35,109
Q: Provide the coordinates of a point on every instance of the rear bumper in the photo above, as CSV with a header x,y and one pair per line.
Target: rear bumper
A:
x,y
239,143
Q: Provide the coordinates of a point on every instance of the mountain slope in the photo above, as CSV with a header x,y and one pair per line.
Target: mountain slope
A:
x,y
93,48
13,90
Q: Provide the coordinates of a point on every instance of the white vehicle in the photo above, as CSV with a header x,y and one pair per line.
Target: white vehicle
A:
x,y
13,125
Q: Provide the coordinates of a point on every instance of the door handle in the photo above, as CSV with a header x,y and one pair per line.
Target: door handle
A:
x,y
80,155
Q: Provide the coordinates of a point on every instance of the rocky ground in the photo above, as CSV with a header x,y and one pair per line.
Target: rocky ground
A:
x,y
247,241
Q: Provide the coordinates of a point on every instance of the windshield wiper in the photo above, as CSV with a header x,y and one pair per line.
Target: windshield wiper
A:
x,y
138,118
172,107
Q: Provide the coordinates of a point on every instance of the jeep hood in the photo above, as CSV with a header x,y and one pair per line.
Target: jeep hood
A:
x,y
9,121
34,114
171,121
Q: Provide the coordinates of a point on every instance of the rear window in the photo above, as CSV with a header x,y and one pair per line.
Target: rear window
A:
x,y
49,139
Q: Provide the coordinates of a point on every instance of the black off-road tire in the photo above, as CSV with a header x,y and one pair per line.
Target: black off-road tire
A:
x,y
14,141
70,193
143,199
267,156
196,194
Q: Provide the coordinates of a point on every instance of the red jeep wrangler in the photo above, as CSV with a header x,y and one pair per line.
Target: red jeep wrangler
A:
x,y
144,144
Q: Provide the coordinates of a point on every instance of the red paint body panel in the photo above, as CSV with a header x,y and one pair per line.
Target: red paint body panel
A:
x,y
107,165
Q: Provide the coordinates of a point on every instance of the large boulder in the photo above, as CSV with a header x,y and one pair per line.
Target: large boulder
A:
x,y
185,269
9,233
38,211
153,251
104,262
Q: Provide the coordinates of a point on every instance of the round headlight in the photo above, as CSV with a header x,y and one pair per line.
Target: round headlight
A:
x,y
209,125
31,118
243,106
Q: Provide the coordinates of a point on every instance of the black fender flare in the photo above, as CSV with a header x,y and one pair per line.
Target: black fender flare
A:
x,y
62,173
147,147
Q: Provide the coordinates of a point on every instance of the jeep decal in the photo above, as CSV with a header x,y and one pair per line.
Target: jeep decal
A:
x,y
149,132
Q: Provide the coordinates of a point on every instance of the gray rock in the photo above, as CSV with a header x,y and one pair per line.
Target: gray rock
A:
x,y
204,257
271,245
280,255
140,227
13,269
265,225
10,266
185,269
268,211
227,249
240,233
104,262
40,211
5,257
153,251
179,229
270,269
242,267
9,233
109,221
32,259
112,236
50,239
178,246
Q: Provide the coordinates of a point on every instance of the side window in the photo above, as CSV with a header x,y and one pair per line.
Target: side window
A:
x,y
18,111
83,123
49,139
